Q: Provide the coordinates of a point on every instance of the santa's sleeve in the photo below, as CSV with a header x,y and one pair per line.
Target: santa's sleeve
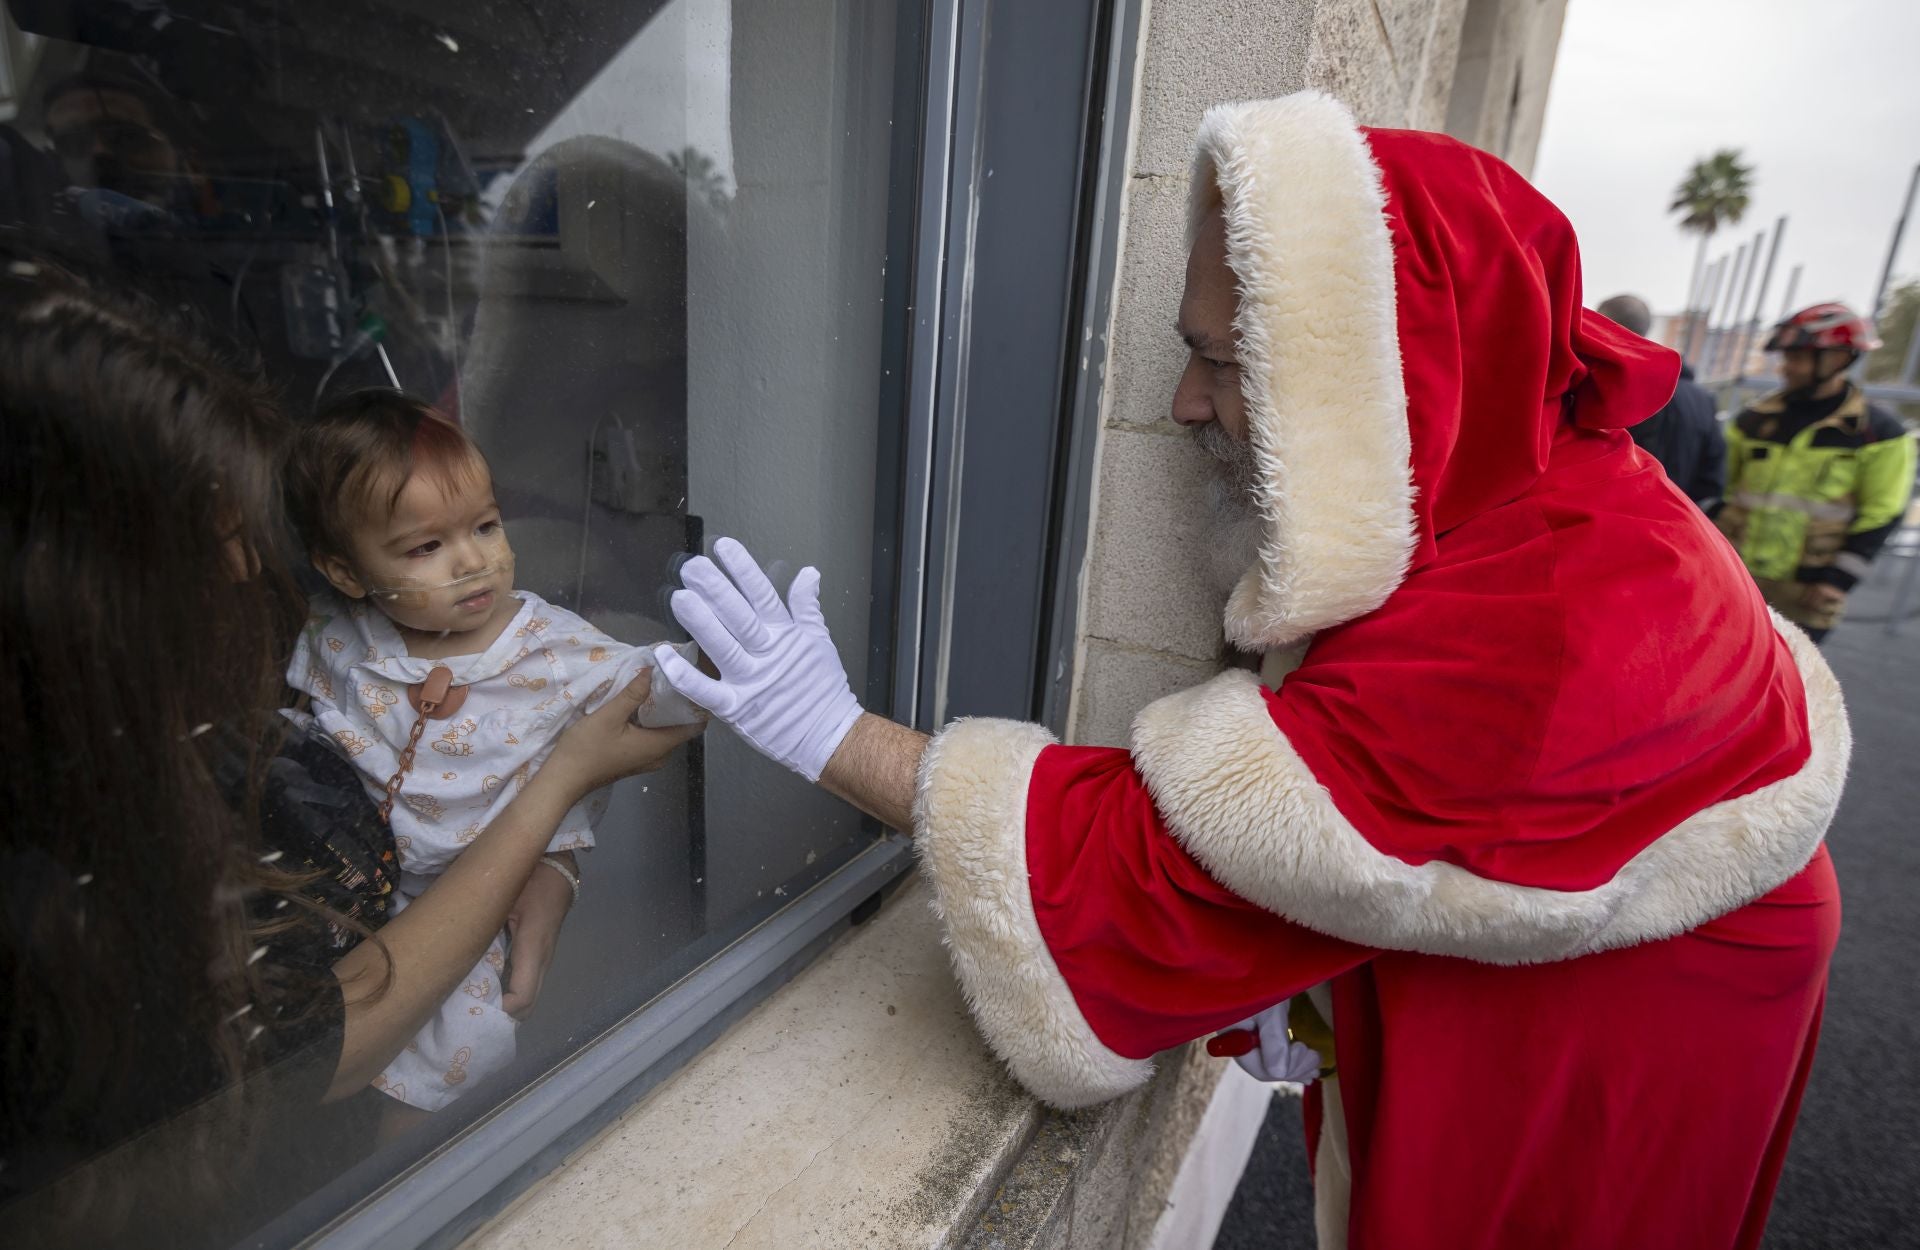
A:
x,y
1084,936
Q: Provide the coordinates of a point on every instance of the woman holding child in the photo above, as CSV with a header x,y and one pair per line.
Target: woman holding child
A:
x,y
202,966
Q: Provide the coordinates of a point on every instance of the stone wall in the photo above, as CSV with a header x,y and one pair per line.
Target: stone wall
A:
x,y
1505,65
1150,624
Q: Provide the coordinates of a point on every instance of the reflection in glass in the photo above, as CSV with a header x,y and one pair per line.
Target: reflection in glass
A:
x,y
638,252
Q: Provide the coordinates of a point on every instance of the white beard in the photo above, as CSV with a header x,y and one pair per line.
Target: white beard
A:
x,y
1237,530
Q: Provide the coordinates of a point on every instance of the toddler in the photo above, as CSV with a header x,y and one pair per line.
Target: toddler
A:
x,y
397,510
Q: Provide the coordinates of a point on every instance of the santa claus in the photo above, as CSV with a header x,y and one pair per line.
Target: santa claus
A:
x,y
1529,790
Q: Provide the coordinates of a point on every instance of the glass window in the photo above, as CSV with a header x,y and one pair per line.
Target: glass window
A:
x,y
638,252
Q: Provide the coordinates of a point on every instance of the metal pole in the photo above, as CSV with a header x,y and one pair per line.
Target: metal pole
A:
x,y
1911,364
1693,297
1737,325
1759,300
1715,272
1717,342
1893,246
1793,286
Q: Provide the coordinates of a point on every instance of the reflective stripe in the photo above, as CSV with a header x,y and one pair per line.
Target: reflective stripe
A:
x,y
1815,508
1851,562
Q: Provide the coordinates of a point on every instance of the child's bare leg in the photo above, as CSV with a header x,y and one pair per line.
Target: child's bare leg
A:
x,y
397,1119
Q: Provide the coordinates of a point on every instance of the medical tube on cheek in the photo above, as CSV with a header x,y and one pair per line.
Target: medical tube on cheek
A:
x,y
415,594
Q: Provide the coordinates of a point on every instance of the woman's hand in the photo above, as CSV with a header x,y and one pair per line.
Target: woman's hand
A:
x,y
440,936
533,930
604,746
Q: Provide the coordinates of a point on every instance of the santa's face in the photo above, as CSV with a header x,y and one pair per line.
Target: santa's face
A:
x,y
1209,402
1209,392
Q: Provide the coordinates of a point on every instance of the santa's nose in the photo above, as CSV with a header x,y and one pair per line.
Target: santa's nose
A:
x,y
1192,405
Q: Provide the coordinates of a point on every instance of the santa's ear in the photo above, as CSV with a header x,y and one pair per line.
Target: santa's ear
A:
x,y
340,573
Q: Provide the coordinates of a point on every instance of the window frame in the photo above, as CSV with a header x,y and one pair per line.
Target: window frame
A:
x,y
440,1198
959,126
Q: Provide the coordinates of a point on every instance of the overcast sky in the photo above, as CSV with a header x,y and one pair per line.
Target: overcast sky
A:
x,y
1823,98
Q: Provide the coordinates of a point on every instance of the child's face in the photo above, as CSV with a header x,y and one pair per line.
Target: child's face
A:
x,y
440,564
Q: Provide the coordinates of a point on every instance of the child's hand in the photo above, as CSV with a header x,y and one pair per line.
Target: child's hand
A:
x,y
604,746
533,929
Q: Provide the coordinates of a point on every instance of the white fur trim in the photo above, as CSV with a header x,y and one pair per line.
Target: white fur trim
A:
x,y
1319,361
1240,799
970,822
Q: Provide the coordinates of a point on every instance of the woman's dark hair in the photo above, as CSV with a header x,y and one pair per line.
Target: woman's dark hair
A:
x,y
146,612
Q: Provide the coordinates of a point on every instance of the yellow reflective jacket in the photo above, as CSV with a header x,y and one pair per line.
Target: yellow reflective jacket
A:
x,y
1815,504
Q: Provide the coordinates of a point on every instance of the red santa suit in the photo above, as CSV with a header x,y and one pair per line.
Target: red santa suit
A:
x,y
1531,777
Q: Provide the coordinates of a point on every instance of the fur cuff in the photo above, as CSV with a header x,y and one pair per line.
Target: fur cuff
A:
x,y
970,824
1240,799
1319,355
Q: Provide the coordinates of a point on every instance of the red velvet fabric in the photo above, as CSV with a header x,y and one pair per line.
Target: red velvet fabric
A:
x,y
1564,680
1576,661
1575,664
1641,1097
1156,952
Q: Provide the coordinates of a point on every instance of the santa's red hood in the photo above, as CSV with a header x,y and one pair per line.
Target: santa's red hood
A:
x,y
1543,709
1411,337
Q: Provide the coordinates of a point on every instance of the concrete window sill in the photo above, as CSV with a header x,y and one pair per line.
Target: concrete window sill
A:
x,y
857,1106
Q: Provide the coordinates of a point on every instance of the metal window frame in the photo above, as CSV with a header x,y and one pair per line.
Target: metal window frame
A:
x,y
1108,148
445,1196
441,1198
937,356
1016,435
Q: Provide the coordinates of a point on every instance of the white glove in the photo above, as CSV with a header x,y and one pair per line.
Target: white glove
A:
x,y
1277,1057
782,686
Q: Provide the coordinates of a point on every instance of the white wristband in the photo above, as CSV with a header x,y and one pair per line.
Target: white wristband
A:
x,y
571,877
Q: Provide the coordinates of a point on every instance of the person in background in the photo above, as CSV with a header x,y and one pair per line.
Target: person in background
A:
x,y
1817,477
1684,436
113,135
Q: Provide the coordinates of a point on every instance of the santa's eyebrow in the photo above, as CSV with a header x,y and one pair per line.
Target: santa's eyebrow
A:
x,y
1204,343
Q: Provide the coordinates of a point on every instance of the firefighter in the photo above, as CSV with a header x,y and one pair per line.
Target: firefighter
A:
x,y
1817,477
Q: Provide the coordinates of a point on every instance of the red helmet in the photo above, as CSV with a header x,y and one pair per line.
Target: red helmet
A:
x,y
1823,325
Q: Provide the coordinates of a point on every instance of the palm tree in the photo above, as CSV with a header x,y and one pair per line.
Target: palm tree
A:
x,y
703,176
1715,193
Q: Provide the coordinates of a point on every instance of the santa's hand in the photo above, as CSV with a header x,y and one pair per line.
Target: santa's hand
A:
x,y
781,685
1263,1047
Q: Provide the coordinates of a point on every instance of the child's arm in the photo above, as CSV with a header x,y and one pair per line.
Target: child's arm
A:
x,y
392,986
668,706
533,931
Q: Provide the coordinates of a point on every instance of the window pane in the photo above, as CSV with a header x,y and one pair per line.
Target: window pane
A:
x,y
638,252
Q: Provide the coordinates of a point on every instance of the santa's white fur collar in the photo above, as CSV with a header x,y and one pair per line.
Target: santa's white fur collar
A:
x,y
1319,361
